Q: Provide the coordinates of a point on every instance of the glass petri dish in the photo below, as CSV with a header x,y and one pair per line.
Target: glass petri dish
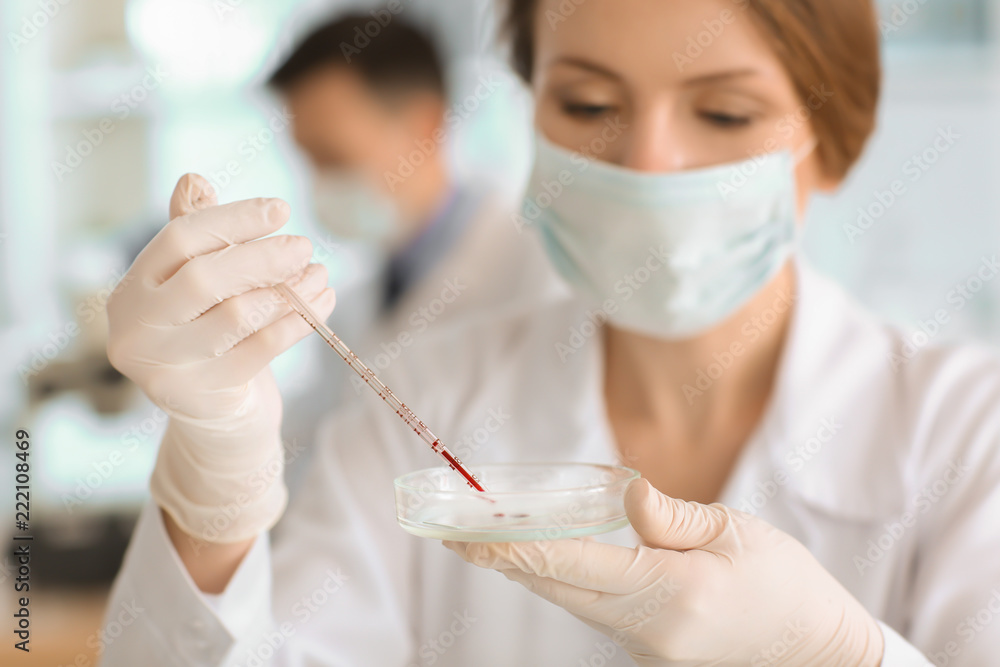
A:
x,y
525,502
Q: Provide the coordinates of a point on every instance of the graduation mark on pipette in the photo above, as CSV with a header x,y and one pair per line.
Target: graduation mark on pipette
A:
x,y
407,415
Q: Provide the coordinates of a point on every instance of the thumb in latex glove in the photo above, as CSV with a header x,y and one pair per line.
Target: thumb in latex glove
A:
x,y
713,586
195,323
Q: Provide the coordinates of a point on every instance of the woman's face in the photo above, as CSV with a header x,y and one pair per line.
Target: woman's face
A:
x,y
685,84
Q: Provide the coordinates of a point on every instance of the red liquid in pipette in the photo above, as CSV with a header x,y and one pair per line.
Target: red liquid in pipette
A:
x,y
457,465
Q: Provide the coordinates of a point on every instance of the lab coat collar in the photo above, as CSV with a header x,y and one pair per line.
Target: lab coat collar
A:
x,y
416,259
832,425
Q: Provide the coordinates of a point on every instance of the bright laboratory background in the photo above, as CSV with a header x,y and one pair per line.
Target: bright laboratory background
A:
x,y
105,103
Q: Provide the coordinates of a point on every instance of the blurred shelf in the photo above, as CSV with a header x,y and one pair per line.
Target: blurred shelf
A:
x,y
940,21
939,72
99,90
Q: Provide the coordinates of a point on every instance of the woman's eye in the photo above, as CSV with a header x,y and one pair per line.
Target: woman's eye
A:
x,y
580,110
725,119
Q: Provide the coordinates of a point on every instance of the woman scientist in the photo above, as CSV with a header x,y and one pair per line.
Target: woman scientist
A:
x,y
839,496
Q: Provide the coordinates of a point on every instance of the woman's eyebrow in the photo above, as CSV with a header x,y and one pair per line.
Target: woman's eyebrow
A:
x,y
581,63
722,76
584,64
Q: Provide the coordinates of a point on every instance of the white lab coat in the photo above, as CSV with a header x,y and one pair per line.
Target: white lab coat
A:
x,y
846,449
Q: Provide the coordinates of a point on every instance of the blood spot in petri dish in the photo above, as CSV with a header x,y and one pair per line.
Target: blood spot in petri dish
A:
x,y
521,516
499,514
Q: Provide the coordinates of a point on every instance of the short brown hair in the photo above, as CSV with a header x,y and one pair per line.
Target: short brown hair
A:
x,y
398,57
833,43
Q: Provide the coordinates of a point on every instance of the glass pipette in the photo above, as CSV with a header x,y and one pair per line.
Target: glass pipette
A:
x,y
407,415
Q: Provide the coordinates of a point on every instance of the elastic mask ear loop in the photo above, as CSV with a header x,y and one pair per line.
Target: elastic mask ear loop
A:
x,y
800,154
805,150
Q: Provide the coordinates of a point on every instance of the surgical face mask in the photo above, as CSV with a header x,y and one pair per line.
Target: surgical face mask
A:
x,y
669,255
352,208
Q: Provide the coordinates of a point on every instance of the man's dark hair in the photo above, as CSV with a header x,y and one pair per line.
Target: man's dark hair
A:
x,y
391,58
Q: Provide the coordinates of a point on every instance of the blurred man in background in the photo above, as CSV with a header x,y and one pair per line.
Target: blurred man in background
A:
x,y
370,109
373,121
358,115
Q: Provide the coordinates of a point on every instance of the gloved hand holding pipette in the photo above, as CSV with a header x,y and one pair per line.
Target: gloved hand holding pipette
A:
x,y
712,586
195,323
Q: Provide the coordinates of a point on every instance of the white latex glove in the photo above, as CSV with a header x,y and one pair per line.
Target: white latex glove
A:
x,y
714,586
195,324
